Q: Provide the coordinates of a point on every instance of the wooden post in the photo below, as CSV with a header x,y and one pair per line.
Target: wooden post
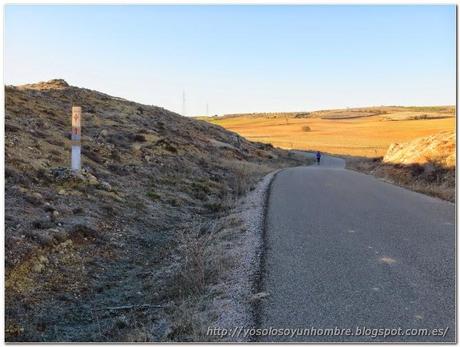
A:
x,y
76,138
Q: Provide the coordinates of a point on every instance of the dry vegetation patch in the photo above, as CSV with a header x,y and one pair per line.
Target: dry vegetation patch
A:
x,y
429,178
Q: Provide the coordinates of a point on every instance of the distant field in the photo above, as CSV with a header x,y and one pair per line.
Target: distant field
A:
x,y
360,132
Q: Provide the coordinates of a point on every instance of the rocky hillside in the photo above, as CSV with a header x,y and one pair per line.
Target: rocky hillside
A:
x,y
425,164
438,149
99,256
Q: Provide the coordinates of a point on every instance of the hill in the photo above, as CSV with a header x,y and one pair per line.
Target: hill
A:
x,y
393,112
358,132
425,164
438,149
120,251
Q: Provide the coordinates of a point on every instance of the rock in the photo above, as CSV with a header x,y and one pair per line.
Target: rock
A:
x,y
40,263
23,189
37,195
438,148
54,215
34,198
58,234
84,231
51,84
42,224
110,195
77,176
38,267
43,238
42,259
48,207
167,145
68,243
61,173
136,146
92,180
77,210
105,186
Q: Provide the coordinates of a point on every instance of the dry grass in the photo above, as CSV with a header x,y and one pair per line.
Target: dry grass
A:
x,y
244,174
207,258
352,132
431,178
204,265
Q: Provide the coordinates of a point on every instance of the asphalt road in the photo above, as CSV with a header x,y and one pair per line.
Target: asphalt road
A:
x,y
346,250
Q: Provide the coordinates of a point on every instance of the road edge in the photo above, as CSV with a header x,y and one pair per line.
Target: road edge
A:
x,y
236,305
259,280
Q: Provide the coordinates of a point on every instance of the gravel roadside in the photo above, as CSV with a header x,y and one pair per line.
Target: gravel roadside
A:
x,y
242,285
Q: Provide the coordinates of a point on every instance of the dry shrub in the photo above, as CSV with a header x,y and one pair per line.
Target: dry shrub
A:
x,y
93,155
192,274
431,178
205,263
244,174
129,328
306,128
202,259
191,319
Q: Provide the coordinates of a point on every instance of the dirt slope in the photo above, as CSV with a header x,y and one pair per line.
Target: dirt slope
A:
x,y
99,256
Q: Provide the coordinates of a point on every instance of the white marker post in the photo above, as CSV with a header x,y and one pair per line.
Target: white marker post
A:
x,y
76,138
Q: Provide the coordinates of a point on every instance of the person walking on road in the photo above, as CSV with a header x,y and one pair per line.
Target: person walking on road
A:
x,y
318,157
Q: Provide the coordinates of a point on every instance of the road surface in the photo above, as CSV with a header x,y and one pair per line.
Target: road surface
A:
x,y
346,250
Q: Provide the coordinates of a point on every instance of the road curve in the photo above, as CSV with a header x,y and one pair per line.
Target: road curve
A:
x,y
346,250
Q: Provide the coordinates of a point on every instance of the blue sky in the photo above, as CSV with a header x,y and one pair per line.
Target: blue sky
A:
x,y
239,58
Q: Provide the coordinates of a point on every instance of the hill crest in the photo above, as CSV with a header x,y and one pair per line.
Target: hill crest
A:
x,y
57,83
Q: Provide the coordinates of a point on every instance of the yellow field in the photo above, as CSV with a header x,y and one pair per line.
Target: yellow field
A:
x,y
368,136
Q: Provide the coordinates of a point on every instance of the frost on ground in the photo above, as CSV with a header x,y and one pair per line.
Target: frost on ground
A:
x,y
240,289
